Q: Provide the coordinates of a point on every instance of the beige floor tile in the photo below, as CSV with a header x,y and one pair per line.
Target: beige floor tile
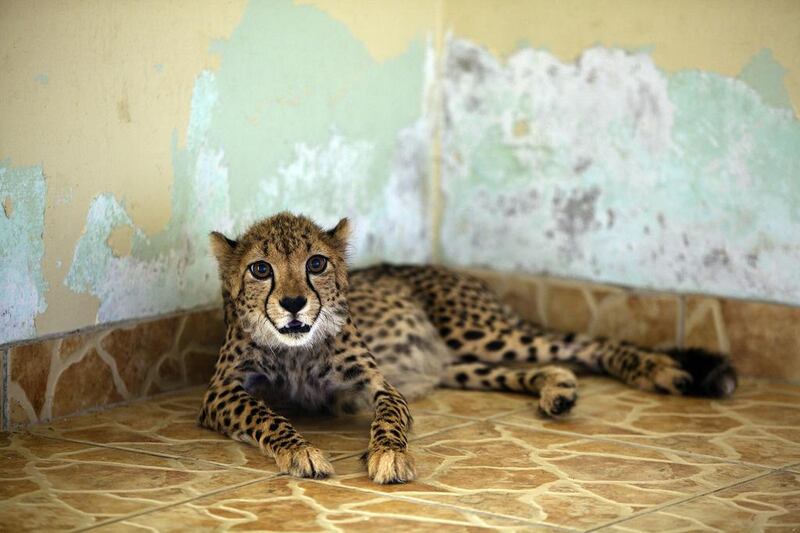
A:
x,y
167,425
472,404
563,480
770,503
49,484
286,504
759,425
484,459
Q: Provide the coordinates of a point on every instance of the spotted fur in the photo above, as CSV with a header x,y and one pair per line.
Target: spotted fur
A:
x,y
326,340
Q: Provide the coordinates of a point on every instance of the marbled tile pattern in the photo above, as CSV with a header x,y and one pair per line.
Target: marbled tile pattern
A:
x,y
624,461
59,377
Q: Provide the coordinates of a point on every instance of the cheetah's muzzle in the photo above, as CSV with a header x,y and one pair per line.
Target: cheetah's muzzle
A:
x,y
295,326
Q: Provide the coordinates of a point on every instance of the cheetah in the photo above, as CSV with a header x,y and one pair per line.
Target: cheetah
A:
x,y
303,331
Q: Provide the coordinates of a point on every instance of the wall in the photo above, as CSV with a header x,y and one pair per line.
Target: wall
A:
x,y
134,130
652,144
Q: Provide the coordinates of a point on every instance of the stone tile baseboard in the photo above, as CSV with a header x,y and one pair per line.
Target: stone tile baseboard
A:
x,y
52,378
762,338
87,370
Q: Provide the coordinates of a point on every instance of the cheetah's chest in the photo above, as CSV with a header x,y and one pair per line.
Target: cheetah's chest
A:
x,y
299,381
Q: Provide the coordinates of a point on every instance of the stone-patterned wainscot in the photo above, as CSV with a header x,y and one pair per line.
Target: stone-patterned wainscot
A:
x,y
59,377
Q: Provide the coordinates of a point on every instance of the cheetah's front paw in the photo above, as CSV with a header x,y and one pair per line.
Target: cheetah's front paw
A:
x,y
304,461
386,466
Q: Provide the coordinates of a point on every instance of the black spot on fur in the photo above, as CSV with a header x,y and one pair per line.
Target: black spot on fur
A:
x,y
353,372
495,345
455,344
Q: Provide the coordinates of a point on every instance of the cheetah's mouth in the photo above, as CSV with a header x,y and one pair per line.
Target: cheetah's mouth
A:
x,y
295,326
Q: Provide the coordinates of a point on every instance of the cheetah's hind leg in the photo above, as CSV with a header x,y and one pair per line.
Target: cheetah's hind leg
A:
x,y
555,386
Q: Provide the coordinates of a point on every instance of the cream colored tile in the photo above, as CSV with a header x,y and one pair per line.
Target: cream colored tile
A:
x,y
167,425
296,505
475,405
646,319
28,371
49,484
770,503
138,349
759,425
568,307
561,480
521,292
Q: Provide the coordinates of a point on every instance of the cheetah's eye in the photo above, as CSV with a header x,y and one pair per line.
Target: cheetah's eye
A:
x,y
261,270
317,264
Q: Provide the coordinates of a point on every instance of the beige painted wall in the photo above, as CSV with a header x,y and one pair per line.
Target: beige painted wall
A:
x,y
94,92
713,35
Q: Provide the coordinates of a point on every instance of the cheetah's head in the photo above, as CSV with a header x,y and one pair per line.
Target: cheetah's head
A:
x,y
285,280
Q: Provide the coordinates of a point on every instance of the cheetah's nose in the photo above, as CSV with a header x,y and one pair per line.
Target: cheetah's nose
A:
x,y
293,305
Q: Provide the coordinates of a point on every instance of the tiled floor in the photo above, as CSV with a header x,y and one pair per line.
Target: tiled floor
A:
x,y
624,461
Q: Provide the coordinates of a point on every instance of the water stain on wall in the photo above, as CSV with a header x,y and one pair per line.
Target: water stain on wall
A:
x,y
22,285
681,182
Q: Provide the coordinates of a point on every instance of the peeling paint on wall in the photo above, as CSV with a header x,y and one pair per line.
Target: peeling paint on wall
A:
x,y
608,169
305,122
22,193
766,76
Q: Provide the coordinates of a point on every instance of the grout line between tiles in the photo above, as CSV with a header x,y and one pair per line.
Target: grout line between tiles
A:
x,y
412,499
673,503
176,504
795,469
448,428
161,455
640,445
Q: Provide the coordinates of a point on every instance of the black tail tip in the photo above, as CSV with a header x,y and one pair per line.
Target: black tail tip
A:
x,y
712,373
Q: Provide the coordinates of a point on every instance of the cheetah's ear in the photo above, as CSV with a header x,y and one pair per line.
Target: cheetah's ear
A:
x,y
222,247
341,232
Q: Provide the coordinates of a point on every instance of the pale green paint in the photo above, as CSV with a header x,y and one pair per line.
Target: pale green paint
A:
x,y
279,87
304,121
764,74
687,182
22,284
